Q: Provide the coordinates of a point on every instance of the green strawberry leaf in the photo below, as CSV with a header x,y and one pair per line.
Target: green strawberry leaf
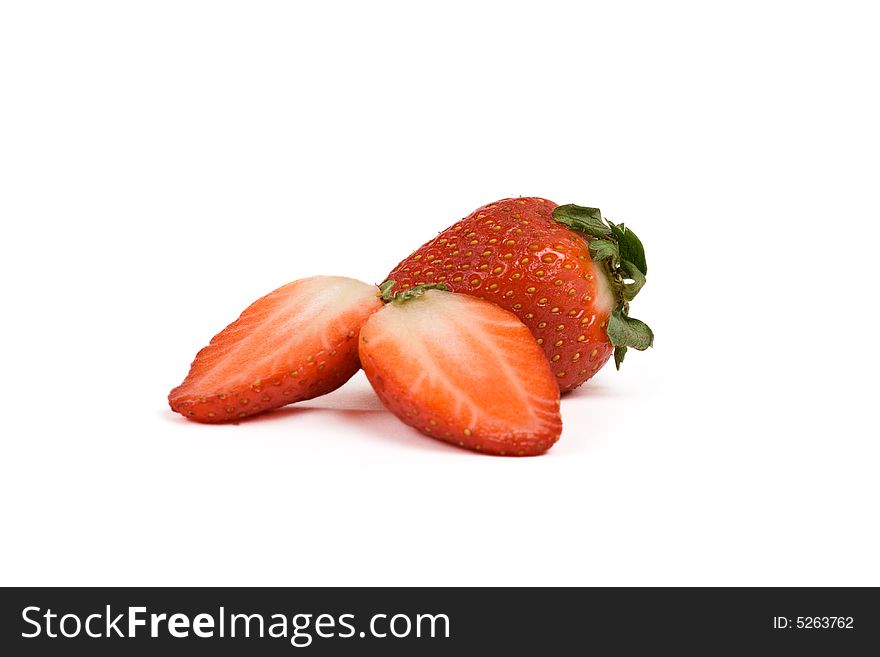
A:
x,y
602,249
633,273
619,353
630,247
587,220
626,331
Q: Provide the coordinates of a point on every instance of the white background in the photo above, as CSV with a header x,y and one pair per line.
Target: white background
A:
x,y
164,164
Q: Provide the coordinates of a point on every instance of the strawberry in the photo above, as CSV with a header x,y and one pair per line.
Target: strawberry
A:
x,y
567,273
461,370
295,343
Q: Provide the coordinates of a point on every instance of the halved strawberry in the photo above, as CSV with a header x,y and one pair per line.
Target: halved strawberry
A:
x,y
295,343
462,370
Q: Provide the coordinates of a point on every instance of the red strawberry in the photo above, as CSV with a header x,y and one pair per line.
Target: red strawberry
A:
x,y
295,343
462,370
563,270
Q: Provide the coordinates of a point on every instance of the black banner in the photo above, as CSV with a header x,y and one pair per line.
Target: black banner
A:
x,y
437,621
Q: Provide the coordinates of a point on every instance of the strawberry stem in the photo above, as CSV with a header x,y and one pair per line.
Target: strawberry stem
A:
x,y
402,296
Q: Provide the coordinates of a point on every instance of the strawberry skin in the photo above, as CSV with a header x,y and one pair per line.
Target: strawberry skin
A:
x,y
464,371
516,255
295,343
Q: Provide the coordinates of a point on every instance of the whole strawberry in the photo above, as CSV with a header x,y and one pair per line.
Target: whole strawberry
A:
x,y
567,273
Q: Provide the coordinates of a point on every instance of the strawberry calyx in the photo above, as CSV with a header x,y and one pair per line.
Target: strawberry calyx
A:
x,y
402,296
622,256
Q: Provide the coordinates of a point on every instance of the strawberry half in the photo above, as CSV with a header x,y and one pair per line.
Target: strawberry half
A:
x,y
563,270
461,370
295,343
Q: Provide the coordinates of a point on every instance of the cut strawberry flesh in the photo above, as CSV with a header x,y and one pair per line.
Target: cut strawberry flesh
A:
x,y
464,371
295,343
